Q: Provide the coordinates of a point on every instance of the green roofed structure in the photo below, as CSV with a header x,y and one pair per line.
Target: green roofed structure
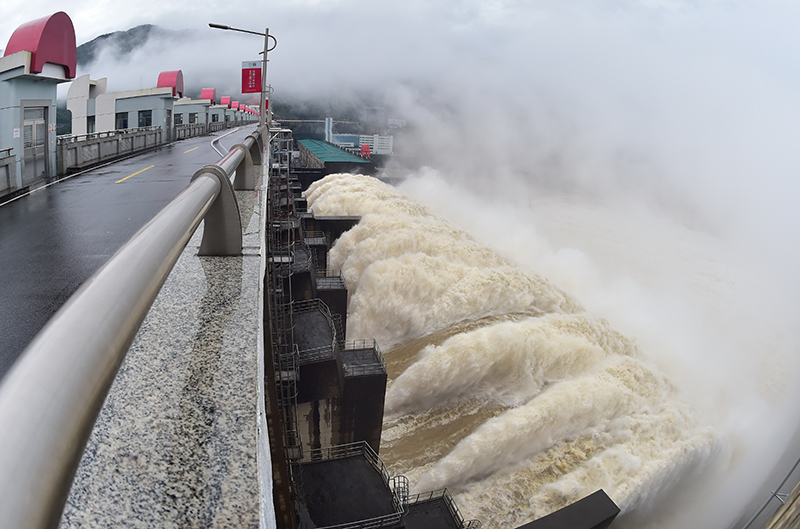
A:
x,y
319,154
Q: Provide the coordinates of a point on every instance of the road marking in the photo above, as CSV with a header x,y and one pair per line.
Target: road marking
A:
x,y
190,150
134,174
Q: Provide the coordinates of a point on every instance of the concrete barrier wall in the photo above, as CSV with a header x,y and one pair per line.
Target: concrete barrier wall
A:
x,y
76,152
8,175
79,151
190,130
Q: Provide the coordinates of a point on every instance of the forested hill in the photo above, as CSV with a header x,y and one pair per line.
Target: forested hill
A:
x,y
123,41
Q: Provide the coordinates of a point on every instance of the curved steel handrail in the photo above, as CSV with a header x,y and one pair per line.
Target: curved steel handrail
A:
x,y
51,397
216,141
775,517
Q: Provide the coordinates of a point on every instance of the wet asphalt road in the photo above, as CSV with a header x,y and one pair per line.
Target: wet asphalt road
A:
x,y
54,239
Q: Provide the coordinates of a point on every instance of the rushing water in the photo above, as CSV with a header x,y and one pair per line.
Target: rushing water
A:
x,y
502,387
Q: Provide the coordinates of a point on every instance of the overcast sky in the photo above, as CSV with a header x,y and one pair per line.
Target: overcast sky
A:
x,y
696,101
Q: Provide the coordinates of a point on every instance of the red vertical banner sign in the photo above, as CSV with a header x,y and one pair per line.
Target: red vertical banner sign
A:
x,y
251,77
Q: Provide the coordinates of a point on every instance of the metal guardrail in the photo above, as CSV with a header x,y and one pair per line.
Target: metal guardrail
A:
x,y
778,519
444,495
329,279
389,520
400,487
344,451
325,352
317,235
7,152
51,397
360,370
73,138
788,514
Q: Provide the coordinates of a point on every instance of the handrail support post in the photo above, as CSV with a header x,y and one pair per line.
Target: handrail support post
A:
x,y
245,172
222,232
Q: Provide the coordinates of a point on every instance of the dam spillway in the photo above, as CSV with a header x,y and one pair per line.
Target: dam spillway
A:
x,y
522,402
329,391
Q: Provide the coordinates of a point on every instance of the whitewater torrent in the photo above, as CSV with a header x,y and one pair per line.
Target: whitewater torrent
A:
x,y
501,388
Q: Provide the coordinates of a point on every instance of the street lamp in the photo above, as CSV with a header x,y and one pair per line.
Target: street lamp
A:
x,y
267,36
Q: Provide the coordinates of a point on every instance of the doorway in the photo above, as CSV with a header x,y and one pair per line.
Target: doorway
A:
x,y
34,143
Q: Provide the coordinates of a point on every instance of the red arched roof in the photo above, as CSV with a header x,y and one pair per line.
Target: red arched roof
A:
x,y
172,79
225,100
49,39
235,105
209,93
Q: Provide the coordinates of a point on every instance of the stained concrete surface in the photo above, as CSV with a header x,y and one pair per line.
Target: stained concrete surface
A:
x,y
345,490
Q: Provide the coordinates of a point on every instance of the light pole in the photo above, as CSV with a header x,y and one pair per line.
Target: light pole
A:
x,y
263,118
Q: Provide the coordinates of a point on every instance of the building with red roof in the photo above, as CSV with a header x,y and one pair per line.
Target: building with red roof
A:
x,y
39,55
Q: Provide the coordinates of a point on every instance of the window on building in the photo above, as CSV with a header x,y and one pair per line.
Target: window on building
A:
x,y
122,120
215,118
192,117
179,119
89,124
145,118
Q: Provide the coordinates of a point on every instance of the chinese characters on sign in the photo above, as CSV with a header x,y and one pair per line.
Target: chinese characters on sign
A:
x,y
251,77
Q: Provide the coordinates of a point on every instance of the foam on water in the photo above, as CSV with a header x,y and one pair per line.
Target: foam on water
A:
x,y
517,401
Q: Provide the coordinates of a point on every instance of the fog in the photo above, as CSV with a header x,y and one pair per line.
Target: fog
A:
x,y
642,155
642,158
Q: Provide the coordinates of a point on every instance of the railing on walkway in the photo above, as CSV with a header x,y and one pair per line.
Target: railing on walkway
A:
x,y
8,174
215,126
77,151
786,514
189,130
51,397
330,279
317,237
360,370
444,496
400,488
81,150
324,352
